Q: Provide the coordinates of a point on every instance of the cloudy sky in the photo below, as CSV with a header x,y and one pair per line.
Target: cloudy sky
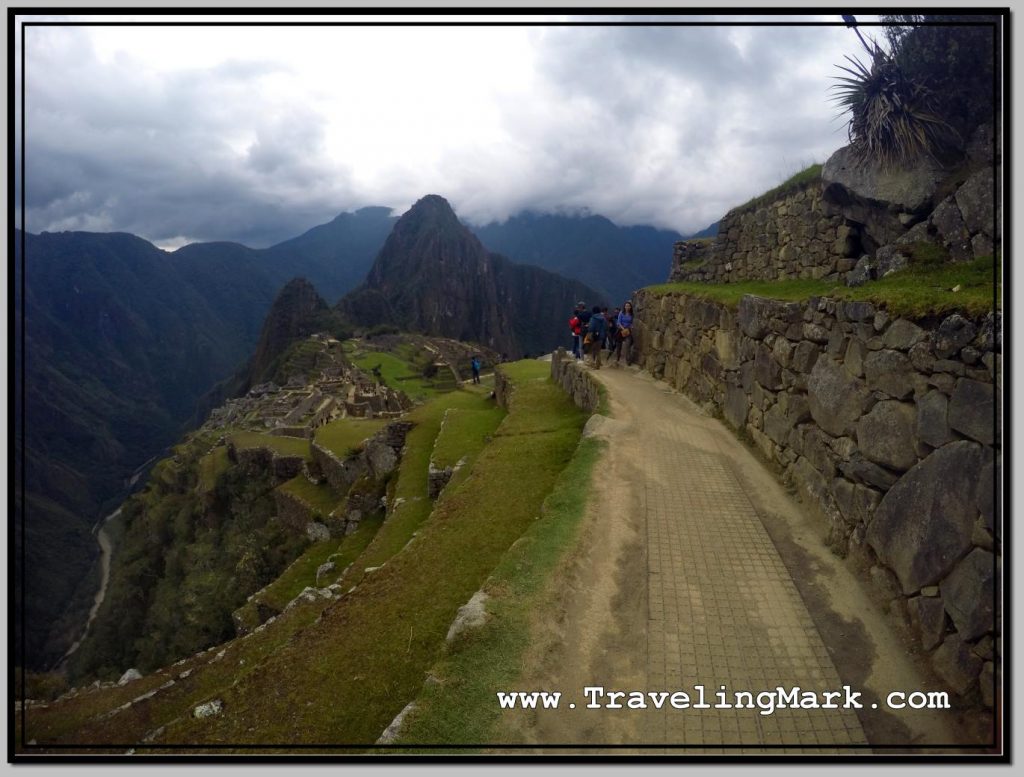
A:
x,y
255,134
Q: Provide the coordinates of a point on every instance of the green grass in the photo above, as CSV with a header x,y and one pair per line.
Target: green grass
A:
x,y
302,572
396,373
464,433
345,435
286,446
212,466
461,707
920,290
344,678
411,483
321,498
791,184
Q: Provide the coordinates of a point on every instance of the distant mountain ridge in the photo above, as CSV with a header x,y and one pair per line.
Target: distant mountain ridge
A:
x,y
613,260
433,275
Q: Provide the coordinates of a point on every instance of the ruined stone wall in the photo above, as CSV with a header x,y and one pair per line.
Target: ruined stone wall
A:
x,y
575,379
885,426
792,236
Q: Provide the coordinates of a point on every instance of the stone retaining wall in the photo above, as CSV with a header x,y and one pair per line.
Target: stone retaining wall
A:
x,y
885,426
576,380
793,236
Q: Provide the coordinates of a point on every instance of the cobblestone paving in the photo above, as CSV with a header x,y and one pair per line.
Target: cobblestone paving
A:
x,y
723,609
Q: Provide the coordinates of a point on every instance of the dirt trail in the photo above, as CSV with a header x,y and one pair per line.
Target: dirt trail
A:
x,y
697,567
105,550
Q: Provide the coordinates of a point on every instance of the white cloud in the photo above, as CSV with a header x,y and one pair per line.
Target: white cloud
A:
x,y
256,133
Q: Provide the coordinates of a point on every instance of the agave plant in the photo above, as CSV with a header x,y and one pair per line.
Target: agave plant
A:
x,y
892,118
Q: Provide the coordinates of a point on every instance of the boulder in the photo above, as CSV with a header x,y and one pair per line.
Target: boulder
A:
x,y
381,457
471,615
908,189
836,398
854,357
317,532
208,709
950,224
967,593
804,356
924,524
323,570
975,201
129,676
928,616
932,427
888,259
971,410
890,372
956,664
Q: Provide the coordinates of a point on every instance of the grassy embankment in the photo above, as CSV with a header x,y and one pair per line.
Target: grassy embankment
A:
x,y
343,679
344,676
920,290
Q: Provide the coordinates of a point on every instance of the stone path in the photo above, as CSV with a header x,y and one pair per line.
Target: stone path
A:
x,y
696,567
723,609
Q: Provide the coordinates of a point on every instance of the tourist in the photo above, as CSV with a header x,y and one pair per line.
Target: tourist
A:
x,y
576,327
596,327
612,339
475,365
625,330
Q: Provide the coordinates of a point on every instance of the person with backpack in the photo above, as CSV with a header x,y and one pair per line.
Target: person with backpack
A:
x,y
596,328
475,366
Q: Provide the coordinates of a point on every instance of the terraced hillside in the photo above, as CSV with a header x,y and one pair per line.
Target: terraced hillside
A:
x,y
358,618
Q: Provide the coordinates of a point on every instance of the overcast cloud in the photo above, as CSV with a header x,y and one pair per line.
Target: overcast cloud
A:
x,y
257,134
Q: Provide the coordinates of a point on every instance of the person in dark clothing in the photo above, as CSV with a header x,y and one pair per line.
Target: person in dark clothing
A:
x,y
595,335
625,323
475,365
613,330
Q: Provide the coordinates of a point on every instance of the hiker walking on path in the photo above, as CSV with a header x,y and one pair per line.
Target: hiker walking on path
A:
x,y
475,365
596,328
625,333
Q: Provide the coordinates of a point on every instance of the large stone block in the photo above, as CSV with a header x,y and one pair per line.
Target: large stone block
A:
x,y
928,616
853,360
932,427
726,347
903,335
924,523
755,314
767,371
956,664
971,410
953,333
837,399
857,503
804,356
967,593
736,406
817,451
886,435
890,372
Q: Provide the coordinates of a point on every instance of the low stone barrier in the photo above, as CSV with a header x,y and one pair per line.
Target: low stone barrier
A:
x,y
886,425
576,380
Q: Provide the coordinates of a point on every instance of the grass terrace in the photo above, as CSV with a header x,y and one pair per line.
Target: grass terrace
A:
x,y
286,446
920,290
345,435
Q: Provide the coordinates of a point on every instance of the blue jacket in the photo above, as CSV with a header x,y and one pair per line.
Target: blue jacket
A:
x,y
596,326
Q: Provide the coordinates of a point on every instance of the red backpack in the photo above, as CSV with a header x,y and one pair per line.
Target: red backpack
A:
x,y
575,325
